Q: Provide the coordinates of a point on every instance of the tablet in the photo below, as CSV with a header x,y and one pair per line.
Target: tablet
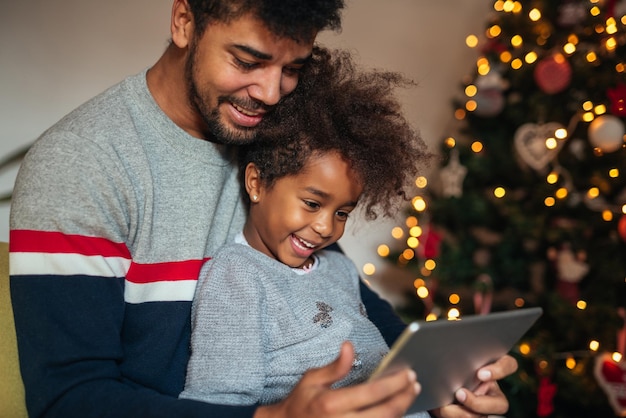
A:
x,y
446,354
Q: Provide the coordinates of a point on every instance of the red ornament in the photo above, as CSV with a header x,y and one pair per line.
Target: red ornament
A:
x,y
553,74
611,377
431,240
618,100
545,397
621,227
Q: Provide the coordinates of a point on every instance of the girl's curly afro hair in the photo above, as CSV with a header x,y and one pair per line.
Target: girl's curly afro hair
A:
x,y
337,108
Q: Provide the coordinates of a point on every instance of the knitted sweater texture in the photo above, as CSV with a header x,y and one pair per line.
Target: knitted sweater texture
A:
x,y
257,326
115,210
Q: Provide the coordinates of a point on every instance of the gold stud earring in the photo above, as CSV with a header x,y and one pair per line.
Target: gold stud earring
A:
x,y
254,197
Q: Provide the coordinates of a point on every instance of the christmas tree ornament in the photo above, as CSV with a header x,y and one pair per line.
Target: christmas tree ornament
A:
x,y
621,227
430,242
452,176
611,376
483,294
530,144
553,74
577,148
618,100
489,103
570,268
571,13
545,397
489,97
606,132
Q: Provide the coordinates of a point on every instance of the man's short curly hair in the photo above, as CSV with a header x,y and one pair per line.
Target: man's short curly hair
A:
x,y
296,19
355,113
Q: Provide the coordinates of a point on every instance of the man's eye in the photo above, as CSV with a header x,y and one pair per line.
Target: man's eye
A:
x,y
292,71
244,64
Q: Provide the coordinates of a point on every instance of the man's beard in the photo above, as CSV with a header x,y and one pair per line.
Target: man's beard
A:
x,y
217,130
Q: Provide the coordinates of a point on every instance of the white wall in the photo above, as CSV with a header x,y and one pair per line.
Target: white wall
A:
x,y
55,54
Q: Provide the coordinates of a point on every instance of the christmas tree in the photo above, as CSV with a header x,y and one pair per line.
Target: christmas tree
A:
x,y
528,207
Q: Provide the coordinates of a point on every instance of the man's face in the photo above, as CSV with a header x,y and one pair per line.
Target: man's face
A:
x,y
237,72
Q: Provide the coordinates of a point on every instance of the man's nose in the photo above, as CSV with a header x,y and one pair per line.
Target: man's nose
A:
x,y
267,88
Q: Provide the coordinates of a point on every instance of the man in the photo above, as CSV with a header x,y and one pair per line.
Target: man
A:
x,y
118,205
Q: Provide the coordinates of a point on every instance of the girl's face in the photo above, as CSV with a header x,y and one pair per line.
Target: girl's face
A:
x,y
302,213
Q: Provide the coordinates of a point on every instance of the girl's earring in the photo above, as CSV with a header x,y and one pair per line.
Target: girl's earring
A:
x,y
254,198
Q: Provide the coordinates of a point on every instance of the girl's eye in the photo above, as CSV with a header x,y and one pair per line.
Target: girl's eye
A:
x,y
311,204
343,214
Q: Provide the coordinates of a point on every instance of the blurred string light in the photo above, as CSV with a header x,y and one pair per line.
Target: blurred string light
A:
x,y
516,58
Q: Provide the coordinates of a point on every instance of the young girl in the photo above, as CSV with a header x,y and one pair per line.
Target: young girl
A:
x,y
274,303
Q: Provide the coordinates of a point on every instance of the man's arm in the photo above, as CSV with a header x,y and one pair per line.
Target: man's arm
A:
x,y
68,262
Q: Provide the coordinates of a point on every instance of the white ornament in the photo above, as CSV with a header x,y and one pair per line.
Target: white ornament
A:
x,y
452,176
607,133
530,144
570,268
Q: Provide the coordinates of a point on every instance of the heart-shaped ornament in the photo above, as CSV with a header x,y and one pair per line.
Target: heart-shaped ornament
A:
x,y
530,144
611,377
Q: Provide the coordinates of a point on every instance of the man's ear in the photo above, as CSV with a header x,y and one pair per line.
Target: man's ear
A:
x,y
252,182
182,24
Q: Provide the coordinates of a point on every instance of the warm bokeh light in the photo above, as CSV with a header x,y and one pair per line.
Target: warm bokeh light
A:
x,y
534,15
454,313
551,143
552,178
369,269
430,264
415,231
419,204
471,41
570,363
524,349
421,182
397,232
593,192
560,133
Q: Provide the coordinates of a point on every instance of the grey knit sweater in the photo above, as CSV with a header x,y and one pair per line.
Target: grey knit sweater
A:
x,y
257,326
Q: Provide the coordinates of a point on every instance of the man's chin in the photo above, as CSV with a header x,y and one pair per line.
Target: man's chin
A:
x,y
233,136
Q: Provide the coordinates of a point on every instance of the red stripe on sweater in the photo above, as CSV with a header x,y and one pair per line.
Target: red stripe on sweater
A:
x,y
160,272
30,241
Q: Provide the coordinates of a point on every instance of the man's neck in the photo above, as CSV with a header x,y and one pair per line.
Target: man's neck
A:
x,y
166,83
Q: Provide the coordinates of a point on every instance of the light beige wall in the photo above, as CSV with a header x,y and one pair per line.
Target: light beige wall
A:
x,y
55,54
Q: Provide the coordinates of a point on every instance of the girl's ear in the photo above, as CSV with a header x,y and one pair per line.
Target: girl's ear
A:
x,y
252,182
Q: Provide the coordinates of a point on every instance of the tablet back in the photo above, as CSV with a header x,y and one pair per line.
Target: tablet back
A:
x,y
446,354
